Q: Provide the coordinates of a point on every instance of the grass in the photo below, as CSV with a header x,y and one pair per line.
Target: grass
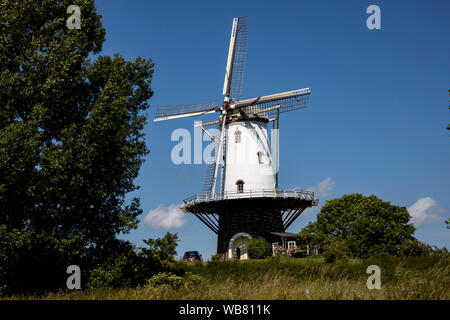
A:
x,y
292,279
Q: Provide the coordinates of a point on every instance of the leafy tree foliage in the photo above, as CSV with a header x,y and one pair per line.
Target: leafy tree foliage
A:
x,y
363,226
135,266
413,248
259,248
71,141
336,250
162,249
313,237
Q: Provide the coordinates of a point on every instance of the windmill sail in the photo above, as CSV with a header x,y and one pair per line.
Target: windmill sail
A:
x,y
208,181
212,169
218,153
237,54
269,105
232,88
186,110
207,184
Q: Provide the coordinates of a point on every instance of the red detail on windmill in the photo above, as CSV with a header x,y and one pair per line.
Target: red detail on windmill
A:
x,y
225,105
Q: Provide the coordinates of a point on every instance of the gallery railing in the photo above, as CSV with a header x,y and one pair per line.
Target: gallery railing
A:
x,y
274,193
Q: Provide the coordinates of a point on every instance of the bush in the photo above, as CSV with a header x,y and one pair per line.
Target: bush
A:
x,y
439,251
34,262
259,248
136,266
217,257
413,248
168,279
109,274
162,249
336,250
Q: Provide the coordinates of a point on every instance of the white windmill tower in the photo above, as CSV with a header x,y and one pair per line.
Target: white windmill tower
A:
x,y
249,202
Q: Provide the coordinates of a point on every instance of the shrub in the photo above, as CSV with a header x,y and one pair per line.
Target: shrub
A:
x,y
136,266
413,248
217,257
34,261
109,274
336,250
292,252
162,249
168,279
439,251
259,248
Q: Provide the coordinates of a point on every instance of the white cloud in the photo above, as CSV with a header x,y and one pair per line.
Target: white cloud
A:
x,y
425,210
165,217
323,189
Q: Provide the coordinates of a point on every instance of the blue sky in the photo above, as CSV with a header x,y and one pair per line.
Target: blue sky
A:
x,y
377,114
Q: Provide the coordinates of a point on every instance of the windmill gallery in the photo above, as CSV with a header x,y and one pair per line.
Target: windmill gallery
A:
x,y
248,202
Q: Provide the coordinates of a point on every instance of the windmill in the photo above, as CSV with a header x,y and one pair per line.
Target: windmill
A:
x,y
248,203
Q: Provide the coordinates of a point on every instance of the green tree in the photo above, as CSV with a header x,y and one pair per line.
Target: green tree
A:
x,y
310,236
259,248
135,266
162,249
336,250
414,248
362,225
71,141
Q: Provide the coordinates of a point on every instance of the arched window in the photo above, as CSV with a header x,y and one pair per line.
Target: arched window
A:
x,y
260,157
240,186
237,136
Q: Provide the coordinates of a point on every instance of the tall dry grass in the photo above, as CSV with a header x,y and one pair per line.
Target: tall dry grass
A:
x,y
294,279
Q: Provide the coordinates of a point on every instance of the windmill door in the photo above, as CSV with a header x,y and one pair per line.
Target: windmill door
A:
x,y
240,248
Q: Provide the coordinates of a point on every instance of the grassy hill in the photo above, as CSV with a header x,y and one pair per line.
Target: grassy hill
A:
x,y
294,279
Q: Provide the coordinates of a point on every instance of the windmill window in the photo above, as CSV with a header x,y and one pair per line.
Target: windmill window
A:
x,y
237,136
240,186
260,157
